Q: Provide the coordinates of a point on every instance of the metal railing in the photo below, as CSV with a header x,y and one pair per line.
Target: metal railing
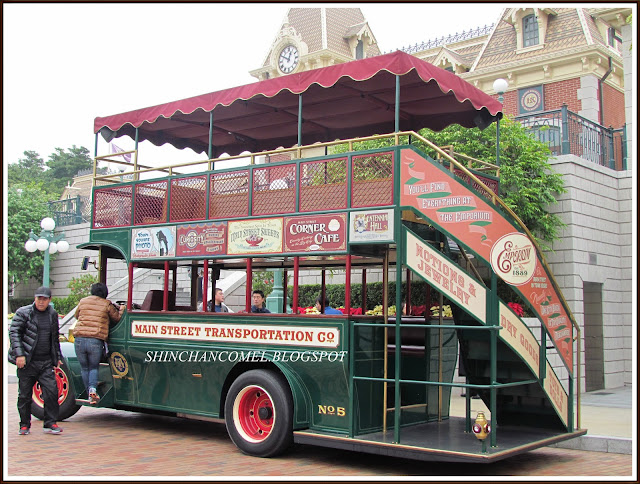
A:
x,y
449,39
567,133
71,211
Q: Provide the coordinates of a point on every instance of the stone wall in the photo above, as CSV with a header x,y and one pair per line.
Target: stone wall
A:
x,y
595,247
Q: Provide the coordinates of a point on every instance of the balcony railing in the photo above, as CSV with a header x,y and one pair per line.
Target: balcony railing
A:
x,y
71,211
568,133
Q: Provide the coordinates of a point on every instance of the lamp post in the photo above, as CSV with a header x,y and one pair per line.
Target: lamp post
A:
x,y
500,86
46,242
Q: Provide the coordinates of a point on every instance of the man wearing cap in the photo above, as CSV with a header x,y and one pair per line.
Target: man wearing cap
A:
x,y
35,349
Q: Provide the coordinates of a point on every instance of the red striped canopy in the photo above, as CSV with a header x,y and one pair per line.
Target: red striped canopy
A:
x,y
341,101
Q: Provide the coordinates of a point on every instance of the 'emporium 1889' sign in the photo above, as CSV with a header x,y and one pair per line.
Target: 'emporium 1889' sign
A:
x,y
513,257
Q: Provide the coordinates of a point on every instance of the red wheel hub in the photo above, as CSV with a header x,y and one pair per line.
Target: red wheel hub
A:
x,y
253,413
63,388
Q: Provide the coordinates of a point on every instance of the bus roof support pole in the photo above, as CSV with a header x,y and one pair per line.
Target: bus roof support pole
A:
x,y
194,285
296,274
364,291
249,284
165,296
210,149
205,286
299,123
323,290
174,283
347,286
102,267
135,160
408,299
284,291
397,104
130,288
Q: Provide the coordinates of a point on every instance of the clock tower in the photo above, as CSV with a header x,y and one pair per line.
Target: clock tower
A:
x,y
310,38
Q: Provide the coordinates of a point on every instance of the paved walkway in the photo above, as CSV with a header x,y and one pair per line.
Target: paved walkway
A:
x,y
608,415
110,444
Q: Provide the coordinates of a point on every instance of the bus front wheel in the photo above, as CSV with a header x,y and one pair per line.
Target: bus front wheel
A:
x,y
259,413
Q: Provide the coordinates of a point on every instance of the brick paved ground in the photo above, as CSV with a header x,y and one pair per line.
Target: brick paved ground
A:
x,y
105,443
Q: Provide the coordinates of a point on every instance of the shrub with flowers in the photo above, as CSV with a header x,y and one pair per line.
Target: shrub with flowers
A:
x,y
516,308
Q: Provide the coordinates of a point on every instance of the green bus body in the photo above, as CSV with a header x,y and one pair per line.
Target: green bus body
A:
x,y
374,383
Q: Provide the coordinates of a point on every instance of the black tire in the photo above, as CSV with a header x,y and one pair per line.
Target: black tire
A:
x,y
66,398
258,412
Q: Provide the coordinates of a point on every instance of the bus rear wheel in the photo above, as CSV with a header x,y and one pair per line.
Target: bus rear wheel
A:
x,y
66,399
259,413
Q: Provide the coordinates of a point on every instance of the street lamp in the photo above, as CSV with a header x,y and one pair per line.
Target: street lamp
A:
x,y
48,243
500,86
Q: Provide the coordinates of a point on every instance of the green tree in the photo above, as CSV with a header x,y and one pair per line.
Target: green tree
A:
x,y
26,207
262,281
27,170
63,166
80,287
528,184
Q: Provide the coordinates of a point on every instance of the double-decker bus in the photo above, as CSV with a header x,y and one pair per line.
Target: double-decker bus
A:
x,y
318,173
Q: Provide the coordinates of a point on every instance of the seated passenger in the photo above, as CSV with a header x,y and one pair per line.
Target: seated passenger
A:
x,y
218,305
258,302
327,307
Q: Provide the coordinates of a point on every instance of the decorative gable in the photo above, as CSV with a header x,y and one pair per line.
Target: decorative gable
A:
x,y
359,38
449,60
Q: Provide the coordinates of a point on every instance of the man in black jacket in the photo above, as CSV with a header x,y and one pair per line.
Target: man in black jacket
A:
x,y
35,349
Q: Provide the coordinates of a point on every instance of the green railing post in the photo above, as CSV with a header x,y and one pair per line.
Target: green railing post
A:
x,y
566,145
624,146
612,158
78,209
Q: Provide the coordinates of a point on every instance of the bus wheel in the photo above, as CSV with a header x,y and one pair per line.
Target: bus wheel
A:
x,y
66,399
259,413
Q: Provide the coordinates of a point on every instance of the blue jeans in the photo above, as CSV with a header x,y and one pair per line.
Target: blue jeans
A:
x,y
89,353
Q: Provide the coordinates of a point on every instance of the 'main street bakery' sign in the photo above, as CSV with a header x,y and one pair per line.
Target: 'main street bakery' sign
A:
x,y
315,233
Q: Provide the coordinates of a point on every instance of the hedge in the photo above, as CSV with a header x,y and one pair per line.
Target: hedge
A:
x,y
308,293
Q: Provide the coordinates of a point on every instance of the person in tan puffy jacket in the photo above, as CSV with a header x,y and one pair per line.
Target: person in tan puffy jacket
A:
x,y
93,316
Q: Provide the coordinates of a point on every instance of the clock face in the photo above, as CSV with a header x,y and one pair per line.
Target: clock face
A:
x,y
288,59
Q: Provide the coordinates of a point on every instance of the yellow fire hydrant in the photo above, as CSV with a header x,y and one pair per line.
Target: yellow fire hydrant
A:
x,y
481,428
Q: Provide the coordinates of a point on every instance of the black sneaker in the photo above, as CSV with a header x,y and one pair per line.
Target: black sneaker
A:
x,y
23,431
54,429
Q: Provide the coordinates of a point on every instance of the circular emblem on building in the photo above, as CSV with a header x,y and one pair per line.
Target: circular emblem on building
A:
x,y
119,364
531,100
513,258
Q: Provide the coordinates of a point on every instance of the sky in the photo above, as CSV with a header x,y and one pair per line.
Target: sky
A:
x,y
65,64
